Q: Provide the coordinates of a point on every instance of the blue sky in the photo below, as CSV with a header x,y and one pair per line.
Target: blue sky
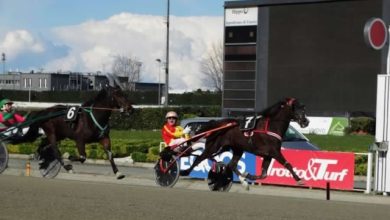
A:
x,y
84,35
43,14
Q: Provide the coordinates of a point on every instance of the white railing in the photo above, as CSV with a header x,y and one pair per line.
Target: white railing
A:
x,y
369,177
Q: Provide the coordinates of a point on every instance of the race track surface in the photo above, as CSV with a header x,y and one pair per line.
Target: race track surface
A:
x,y
39,198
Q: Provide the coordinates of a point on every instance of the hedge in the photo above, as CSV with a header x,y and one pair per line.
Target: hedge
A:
x,y
361,125
138,97
120,148
153,118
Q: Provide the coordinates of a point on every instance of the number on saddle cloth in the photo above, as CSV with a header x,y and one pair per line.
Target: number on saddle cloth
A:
x,y
248,123
72,113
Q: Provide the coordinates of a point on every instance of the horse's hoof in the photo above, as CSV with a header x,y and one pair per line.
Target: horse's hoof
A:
x,y
68,167
184,173
66,155
119,175
263,176
300,182
82,159
245,184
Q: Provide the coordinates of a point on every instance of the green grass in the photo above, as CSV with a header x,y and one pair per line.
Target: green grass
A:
x,y
350,143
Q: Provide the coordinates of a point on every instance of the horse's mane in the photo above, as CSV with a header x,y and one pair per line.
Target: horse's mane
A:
x,y
272,110
100,96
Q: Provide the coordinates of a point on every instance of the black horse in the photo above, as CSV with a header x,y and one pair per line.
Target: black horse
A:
x,y
264,140
90,125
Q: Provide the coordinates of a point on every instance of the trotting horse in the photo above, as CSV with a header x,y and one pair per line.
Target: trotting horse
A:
x,y
264,140
90,125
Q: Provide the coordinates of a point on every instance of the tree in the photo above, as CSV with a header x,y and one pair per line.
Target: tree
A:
x,y
212,67
124,66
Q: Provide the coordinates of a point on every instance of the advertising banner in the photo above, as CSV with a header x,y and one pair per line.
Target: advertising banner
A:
x,y
324,126
315,168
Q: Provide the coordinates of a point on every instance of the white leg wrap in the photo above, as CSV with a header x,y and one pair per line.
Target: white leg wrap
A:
x,y
244,183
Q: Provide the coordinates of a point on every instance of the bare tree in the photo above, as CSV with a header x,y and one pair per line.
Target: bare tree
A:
x,y
212,67
124,66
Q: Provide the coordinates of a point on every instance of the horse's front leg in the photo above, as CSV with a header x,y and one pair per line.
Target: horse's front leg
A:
x,y
106,143
280,158
264,169
264,166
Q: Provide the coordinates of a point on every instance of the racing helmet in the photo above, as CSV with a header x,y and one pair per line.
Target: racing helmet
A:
x,y
171,114
5,101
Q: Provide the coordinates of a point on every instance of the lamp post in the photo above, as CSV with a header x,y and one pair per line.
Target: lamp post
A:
x,y
29,90
3,60
167,59
159,84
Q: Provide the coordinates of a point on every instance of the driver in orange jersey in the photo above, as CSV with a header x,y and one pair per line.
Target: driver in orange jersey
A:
x,y
172,133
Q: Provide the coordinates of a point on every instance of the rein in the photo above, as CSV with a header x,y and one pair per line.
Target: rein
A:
x,y
107,109
90,112
267,131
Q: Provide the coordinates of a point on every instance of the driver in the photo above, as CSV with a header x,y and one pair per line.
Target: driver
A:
x,y
172,133
8,116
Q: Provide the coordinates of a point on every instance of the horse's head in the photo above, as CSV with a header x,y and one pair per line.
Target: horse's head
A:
x,y
298,112
119,99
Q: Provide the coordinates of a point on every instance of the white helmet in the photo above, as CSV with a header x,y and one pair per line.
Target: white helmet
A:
x,y
171,114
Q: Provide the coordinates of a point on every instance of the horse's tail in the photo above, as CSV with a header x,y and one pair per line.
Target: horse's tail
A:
x,y
32,134
33,131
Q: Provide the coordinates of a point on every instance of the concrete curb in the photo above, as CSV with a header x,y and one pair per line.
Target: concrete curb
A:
x,y
118,161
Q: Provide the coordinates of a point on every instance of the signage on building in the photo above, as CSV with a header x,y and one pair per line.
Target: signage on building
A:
x,y
241,16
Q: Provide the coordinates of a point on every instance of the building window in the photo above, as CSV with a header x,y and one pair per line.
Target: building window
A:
x,y
45,82
25,82
40,83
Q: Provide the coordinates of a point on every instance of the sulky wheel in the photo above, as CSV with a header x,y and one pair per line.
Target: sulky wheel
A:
x,y
220,178
3,157
50,169
167,172
49,165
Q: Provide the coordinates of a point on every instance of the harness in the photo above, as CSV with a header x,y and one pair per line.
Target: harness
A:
x,y
101,128
267,131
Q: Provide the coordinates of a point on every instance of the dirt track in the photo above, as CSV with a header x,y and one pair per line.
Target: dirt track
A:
x,y
38,198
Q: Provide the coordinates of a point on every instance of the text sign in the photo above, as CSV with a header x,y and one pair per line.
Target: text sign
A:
x,y
315,168
241,16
